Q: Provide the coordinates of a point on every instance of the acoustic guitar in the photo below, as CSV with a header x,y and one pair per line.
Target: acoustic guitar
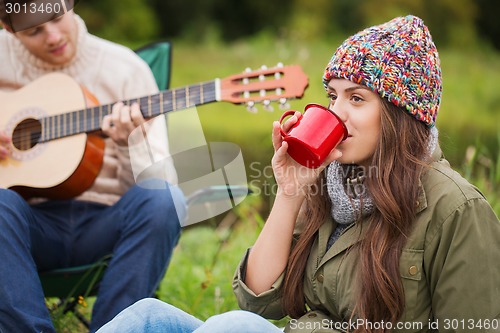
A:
x,y
57,150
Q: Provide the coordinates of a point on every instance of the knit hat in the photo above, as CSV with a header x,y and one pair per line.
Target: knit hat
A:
x,y
398,60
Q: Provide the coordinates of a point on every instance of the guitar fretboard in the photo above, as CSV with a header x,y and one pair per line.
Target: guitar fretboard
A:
x,y
90,119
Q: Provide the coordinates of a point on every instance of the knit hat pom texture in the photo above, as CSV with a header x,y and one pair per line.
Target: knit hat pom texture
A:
x,y
397,60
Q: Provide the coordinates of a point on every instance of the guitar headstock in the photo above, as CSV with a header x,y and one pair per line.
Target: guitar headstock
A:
x,y
264,86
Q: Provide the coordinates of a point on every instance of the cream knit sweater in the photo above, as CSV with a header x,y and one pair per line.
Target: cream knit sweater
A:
x,y
110,72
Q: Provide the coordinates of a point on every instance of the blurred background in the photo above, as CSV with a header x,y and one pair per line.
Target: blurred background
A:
x,y
218,38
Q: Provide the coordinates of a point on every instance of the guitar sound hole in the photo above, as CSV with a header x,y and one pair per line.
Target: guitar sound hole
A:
x,y
27,134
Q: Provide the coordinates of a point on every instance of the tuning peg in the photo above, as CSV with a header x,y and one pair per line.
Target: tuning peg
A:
x,y
267,105
284,105
277,75
246,80
251,107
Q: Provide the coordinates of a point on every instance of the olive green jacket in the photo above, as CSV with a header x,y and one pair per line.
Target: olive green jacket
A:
x,y
450,267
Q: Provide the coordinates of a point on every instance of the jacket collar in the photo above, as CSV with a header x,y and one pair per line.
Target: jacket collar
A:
x,y
421,203
350,236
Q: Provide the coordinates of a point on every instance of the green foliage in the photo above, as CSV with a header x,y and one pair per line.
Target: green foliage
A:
x,y
126,20
308,19
470,107
230,20
482,167
487,21
455,23
68,322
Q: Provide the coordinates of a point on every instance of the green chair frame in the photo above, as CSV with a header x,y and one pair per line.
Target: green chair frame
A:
x,y
158,55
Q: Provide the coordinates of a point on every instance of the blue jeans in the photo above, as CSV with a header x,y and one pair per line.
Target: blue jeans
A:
x,y
140,230
154,316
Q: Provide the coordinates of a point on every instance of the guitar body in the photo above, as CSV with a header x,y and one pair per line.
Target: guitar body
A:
x,y
57,169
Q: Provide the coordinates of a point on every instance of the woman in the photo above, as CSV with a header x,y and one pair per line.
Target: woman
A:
x,y
385,236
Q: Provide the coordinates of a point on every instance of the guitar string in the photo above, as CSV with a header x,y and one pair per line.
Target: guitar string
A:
x,y
35,126
209,94
156,110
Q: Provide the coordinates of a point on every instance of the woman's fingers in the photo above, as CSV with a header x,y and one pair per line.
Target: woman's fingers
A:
x,y
287,125
335,154
281,153
276,136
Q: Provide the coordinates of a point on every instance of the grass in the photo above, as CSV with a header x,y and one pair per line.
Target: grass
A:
x,y
199,277
206,259
482,168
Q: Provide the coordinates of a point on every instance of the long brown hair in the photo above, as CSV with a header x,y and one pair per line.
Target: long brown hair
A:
x,y
399,158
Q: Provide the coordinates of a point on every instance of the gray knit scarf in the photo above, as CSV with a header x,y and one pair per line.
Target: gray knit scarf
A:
x,y
350,198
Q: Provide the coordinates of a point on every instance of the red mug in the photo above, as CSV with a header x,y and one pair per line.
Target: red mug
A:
x,y
311,139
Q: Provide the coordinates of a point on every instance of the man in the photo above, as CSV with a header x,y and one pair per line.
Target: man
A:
x,y
139,226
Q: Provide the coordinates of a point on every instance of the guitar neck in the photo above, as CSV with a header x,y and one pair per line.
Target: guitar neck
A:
x,y
90,119
264,85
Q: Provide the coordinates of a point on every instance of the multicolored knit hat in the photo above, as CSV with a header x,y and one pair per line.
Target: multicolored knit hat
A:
x,y
398,60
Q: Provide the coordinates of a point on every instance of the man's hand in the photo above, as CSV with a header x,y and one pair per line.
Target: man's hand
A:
x,y
4,145
121,122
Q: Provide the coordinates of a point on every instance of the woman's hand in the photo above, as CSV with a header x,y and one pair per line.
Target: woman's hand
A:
x,y
121,122
292,178
4,145
269,255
